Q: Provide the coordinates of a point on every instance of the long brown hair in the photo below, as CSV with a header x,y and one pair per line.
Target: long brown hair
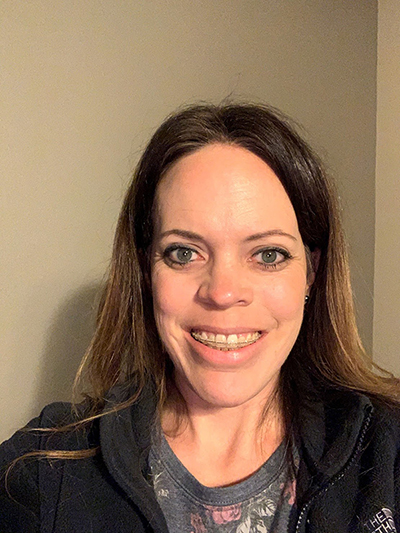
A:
x,y
126,346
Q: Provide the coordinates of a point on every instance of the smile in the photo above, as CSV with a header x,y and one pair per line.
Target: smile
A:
x,y
223,342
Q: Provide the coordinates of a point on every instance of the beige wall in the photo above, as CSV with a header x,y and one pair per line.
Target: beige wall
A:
x,y
84,85
387,248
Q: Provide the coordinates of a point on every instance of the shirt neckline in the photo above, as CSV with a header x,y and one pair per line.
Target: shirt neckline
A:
x,y
231,495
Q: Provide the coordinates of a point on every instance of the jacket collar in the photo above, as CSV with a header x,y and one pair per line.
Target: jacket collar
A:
x,y
125,439
331,429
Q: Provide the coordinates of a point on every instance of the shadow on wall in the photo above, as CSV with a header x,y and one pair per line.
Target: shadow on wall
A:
x,y
68,339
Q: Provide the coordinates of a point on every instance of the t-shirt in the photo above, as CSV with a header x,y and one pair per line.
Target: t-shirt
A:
x,y
260,504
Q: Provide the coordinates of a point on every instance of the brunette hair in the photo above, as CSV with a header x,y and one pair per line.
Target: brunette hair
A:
x,y
126,346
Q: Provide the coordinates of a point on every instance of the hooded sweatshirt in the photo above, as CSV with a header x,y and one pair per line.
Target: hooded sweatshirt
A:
x,y
348,478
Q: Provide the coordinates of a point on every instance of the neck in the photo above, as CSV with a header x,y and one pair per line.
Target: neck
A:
x,y
223,445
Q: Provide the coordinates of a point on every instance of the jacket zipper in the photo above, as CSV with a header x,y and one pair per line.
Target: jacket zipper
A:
x,y
339,475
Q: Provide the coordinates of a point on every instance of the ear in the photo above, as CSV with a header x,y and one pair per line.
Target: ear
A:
x,y
312,264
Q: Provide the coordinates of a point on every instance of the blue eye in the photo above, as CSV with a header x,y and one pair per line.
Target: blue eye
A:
x,y
179,255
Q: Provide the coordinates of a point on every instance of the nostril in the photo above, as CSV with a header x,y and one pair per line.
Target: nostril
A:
x,y
224,295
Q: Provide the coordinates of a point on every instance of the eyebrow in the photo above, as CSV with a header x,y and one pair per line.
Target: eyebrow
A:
x,y
257,236
195,236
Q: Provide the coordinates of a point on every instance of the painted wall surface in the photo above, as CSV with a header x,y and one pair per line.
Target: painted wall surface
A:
x,y
387,246
84,84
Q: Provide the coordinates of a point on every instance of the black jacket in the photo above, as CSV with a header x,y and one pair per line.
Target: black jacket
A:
x,y
348,479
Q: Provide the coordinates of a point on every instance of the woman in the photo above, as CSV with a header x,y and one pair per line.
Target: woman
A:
x,y
229,390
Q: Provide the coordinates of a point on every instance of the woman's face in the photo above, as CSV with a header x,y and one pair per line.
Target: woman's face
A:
x,y
229,275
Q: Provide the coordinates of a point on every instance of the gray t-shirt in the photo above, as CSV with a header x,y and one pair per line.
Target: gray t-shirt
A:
x,y
260,504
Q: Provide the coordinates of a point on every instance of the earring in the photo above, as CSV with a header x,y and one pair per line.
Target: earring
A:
x,y
306,298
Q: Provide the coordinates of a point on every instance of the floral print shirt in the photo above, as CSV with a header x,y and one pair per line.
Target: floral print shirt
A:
x,y
260,504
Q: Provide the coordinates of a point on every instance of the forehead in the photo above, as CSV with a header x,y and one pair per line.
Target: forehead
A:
x,y
223,187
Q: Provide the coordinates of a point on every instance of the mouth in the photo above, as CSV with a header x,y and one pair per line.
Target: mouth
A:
x,y
226,343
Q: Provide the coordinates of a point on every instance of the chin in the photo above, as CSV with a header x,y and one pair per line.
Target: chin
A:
x,y
225,392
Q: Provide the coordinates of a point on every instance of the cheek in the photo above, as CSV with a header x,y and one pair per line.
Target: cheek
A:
x,y
285,298
171,296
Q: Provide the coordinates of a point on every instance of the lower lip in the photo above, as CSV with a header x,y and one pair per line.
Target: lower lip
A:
x,y
225,358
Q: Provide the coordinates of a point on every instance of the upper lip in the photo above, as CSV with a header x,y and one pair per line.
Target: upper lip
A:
x,y
225,331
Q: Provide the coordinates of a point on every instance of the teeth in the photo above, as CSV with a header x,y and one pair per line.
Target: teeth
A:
x,y
226,342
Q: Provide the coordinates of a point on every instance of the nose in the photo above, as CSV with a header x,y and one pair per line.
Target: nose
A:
x,y
224,287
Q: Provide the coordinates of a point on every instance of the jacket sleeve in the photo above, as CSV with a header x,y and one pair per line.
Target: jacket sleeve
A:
x,y
19,493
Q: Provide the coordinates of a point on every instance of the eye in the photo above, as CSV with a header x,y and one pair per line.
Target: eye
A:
x,y
271,258
180,255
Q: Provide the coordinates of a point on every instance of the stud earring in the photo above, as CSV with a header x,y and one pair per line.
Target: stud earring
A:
x,y
306,298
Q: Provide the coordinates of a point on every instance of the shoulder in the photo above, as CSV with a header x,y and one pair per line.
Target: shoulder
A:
x,y
29,437
21,462
54,429
44,430
19,472
385,424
